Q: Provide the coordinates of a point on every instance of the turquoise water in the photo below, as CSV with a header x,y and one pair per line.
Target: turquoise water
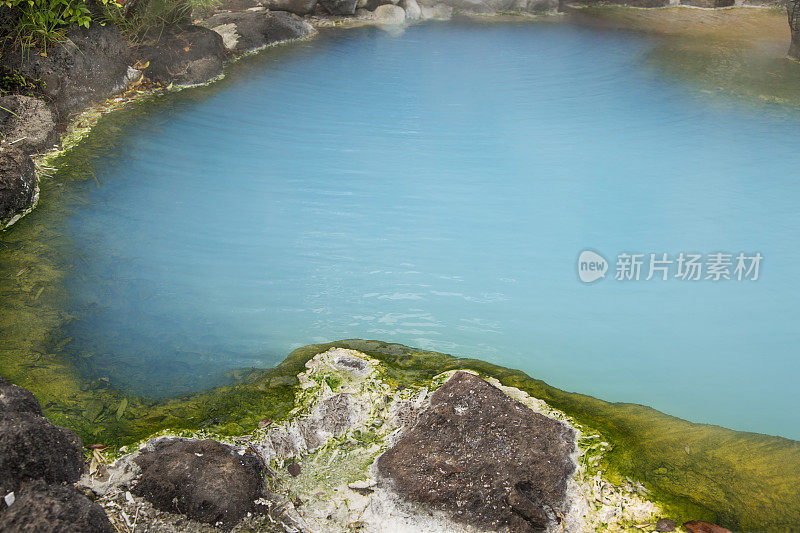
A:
x,y
435,188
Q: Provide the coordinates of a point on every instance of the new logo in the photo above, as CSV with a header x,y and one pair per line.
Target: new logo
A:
x,y
591,266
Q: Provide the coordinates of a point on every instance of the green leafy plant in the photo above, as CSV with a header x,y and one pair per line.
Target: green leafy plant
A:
x,y
42,22
13,82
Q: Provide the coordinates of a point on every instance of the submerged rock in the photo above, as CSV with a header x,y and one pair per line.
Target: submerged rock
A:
x,y
665,525
31,448
28,123
698,526
42,508
484,458
438,11
89,64
182,54
250,30
203,479
19,184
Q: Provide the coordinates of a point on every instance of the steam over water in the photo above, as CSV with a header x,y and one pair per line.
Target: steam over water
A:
x,y
436,188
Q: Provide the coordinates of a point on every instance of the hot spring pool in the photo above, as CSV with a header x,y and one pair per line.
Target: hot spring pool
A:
x,y
435,188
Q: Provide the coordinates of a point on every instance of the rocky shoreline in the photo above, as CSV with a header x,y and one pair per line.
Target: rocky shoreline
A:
x,y
461,452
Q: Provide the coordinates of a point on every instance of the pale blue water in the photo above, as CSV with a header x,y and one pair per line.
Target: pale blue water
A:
x,y
435,188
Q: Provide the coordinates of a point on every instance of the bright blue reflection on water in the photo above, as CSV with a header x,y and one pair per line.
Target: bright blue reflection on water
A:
x,y
435,188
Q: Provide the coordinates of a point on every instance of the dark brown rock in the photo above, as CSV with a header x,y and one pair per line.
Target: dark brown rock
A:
x,y
31,448
90,64
18,183
698,526
42,508
257,29
203,479
294,469
182,54
27,122
484,458
14,400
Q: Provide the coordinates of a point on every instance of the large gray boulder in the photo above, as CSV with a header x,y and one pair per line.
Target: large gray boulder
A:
x,y
484,458
31,448
412,9
298,7
251,30
42,508
89,65
18,184
203,479
27,122
182,54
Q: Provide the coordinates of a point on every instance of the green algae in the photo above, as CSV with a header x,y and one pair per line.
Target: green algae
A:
x,y
746,481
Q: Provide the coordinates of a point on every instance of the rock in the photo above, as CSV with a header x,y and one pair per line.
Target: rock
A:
x,y
665,525
698,526
31,447
90,64
483,458
298,7
389,14
293,469
793,9
174,12
14,400
182,54
629,3
339,7
19,185
708,3
42,508
28,121
411,7
250,30
438,11
372,5
498,6
203,479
